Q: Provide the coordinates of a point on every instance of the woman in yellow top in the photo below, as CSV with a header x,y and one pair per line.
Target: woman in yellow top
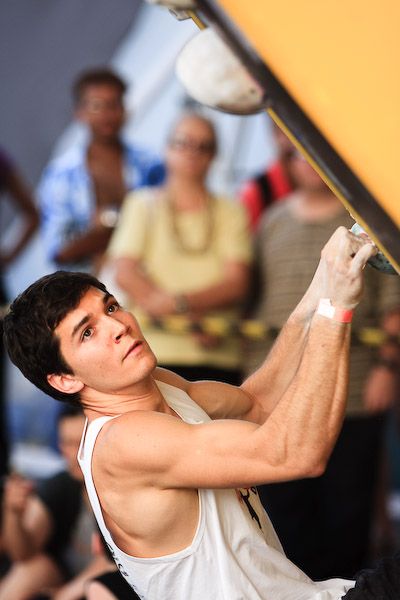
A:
x,y
180,250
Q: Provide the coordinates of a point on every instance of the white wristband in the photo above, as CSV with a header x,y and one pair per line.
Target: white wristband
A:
x,y
326,309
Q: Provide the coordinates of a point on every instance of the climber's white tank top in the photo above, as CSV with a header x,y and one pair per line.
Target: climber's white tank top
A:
x,y
235,553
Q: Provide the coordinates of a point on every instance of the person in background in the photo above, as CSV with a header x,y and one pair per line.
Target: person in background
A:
x,y
272,184
15,189
81,192
181,250
46,527
325,523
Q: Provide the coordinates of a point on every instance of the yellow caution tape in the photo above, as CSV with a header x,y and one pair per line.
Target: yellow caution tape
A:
x,y
248,328
252,329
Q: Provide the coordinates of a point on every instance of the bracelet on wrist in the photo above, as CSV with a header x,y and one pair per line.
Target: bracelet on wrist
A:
x,y
341,315
181,304
108,218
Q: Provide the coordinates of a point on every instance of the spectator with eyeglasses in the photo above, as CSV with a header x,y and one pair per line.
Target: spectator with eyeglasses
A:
x,y
81,191
180,250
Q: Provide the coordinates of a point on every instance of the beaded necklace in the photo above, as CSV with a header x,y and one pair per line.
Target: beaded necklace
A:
x,y
208,229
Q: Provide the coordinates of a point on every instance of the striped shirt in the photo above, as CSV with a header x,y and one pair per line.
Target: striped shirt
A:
x,y
289,252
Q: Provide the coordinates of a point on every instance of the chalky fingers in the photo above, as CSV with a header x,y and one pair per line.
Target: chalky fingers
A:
x,y
362,255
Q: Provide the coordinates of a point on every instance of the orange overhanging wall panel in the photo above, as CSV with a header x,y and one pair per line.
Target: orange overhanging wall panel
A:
x,y
340,62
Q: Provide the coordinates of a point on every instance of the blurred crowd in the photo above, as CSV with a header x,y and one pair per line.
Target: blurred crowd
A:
x,y
192,265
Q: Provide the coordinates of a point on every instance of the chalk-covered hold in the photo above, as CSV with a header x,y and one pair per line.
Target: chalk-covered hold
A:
x,y
379,261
